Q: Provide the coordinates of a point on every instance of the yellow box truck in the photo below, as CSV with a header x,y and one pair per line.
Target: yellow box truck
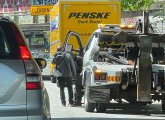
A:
x,y
81,16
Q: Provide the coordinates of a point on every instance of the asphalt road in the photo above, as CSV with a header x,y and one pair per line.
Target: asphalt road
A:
x,y
114,111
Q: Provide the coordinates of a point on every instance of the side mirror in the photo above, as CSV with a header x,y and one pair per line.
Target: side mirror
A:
x,y
97,48
41,62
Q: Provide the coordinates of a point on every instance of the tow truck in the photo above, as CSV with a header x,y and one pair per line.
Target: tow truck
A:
x,y
121,65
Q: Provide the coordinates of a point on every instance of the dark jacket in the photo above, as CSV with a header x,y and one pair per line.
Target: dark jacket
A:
x,y
66,66
58,57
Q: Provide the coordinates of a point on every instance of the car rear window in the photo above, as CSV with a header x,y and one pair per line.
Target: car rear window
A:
x,y
8,43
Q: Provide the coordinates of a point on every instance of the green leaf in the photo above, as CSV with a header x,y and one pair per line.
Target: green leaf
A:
x,y
134,5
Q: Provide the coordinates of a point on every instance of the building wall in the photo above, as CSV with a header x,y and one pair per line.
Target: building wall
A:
x,y
9,6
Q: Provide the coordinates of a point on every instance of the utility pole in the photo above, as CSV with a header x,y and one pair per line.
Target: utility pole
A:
x,y
145,22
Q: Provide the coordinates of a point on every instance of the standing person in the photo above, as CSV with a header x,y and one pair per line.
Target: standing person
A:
x,y
78,85
139,26
78,91
67,69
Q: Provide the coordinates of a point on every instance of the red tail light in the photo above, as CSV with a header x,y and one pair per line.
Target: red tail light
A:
x,y
33,85
33,73
25,54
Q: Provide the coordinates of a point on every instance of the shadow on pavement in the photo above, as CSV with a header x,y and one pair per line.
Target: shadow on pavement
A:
x,y
92,118
80,118
152,111
147,110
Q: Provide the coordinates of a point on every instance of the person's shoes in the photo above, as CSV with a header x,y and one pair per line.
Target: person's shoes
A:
x,y
77,104
64,104
71,105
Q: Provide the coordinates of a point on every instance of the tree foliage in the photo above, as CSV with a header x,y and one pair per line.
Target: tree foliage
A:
x,y
134,5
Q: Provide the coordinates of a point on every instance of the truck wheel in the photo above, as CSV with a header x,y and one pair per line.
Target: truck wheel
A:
x,y
53,79
163,105
89,107
84,80
101,107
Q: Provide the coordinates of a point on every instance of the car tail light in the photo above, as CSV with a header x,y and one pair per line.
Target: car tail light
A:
x,y
25,54
33,73
99,75
33,85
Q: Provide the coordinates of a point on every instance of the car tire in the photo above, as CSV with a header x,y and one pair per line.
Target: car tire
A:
x,y
163,105
89,107
101,107
53,79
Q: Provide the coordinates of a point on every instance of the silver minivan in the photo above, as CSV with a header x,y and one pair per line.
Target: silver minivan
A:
x,y
22,92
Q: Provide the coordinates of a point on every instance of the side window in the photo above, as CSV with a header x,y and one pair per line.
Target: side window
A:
x,y
9,48
4,47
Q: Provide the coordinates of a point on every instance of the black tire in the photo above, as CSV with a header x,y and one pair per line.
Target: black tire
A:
x,y
101,107
89,107
84,80
163,105
53,79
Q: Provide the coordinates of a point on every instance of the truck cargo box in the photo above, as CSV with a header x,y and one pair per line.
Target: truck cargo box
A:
x,y
82,17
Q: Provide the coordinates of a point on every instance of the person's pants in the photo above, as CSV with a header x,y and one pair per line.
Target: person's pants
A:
x,y
78,93
65,82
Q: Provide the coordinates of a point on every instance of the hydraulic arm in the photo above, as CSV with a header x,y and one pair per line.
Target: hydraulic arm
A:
x,y
148,46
